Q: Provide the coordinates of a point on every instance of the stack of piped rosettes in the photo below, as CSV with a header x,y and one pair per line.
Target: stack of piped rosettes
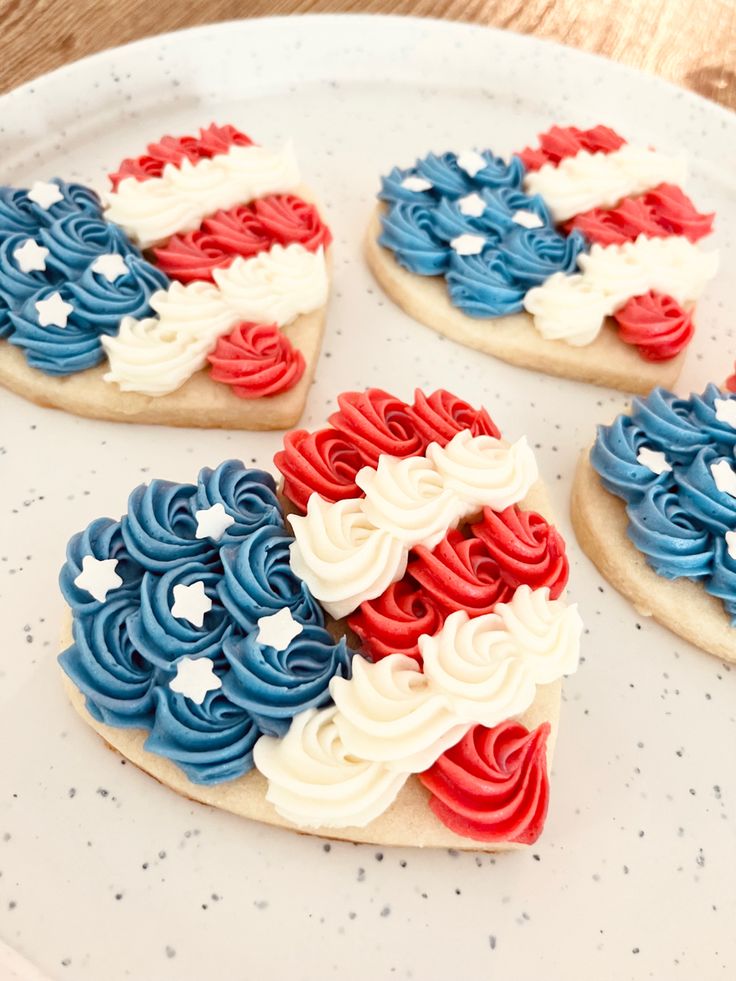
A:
x,y
246,256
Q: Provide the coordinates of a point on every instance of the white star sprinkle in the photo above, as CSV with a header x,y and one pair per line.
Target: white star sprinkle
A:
x,y
726,411
731,544
472,204
98,577
31,257
191,602
468,244
213,522
278,630
654,460
724,477
416,183
110,265
195,676
527,219
471,162
53,312
44,193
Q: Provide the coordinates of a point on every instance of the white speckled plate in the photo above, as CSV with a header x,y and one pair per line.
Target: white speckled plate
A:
x,y
105,875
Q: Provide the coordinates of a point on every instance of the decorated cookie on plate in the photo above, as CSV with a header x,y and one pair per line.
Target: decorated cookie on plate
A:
x,y
194,296
654,506
372,652
579,258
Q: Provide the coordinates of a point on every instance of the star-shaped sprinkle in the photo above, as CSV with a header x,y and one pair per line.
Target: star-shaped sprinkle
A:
x,y
416,183
213,522
468,244
110,265
278,630
724,477
98,577
471,162
527,219
31,257
44,193
195,676
472,204
731,544
191,602
654,460
726,411
53,311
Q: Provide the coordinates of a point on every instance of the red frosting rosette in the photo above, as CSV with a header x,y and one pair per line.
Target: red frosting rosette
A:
x,y
567,141
493,785
656,324
376,422
394,622
215,139
256,360
526,549
323,463
730,385
192,256
287,218
442,415
676,213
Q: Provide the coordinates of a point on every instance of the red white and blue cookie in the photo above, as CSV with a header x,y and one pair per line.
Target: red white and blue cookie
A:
x,y
195,295
578,257
374,652
654,506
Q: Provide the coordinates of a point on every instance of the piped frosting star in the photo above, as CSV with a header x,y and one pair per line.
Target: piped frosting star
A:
x,y
213,522
31,257
44,193
724,476
527,219
471,162
110,265
195,676
278,630
415,183
726,411
468,244
98,577
53,311
191,602
472,205
654,460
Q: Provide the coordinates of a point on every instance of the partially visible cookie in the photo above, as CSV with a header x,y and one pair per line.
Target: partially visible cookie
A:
x,y
197,296
654,506
577,258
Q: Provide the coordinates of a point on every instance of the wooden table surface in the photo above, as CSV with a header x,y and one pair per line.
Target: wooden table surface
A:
x,y
690,42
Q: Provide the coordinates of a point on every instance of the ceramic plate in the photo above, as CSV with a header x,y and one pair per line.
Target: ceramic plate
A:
x,y
106,874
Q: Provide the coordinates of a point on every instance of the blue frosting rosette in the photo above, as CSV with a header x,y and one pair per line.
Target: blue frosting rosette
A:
x,y
54,239
673,463
171,609
514,244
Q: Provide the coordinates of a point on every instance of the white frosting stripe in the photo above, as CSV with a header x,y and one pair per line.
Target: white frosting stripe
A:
x,y
153,210
601,180
573,308
157,355
353,550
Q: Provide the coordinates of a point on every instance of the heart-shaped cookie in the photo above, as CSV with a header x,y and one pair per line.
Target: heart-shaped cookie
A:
x,y
577,258
195,297
387,671
654,506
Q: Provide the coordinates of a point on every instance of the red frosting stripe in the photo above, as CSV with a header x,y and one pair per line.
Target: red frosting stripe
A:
x,y
731,381
324,463
460,574
244,230
526,549
665,210
256,360
442,415
493,785
560,142
394,622
175,149
656,324
376,422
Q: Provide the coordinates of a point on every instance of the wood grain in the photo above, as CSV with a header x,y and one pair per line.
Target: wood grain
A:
x,y
690,42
